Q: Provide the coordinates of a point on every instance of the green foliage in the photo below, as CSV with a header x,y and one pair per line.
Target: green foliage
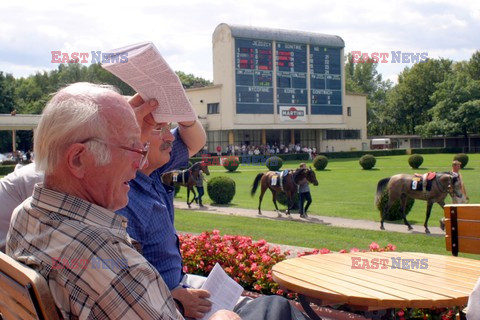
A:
x,y
320,162
463,158
456,109
282,199
274,163
231,163
395,212
6,168
367,161
410,100
221,189
415,161
190,81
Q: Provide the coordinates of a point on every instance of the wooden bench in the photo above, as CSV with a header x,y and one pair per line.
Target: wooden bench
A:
x,y
462,228
24,292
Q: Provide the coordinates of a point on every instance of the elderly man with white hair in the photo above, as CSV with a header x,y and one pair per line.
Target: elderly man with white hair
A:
x,y
89,145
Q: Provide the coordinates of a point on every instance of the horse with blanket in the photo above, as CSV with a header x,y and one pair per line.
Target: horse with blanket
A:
x,y
432,187
286,181
186,178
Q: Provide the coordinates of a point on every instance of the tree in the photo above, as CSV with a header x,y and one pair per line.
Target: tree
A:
x,y
190,81
363,77
410,99
457,107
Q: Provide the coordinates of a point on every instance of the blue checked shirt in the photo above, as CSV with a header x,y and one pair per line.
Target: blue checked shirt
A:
x,y
85,254
150,215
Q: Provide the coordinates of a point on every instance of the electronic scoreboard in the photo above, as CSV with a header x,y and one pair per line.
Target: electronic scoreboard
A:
x,y
300,71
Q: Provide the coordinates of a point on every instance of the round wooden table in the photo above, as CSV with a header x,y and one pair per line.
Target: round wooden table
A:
x,y
379,280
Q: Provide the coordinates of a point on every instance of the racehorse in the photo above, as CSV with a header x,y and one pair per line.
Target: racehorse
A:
x,y
186,178
290,185
399,187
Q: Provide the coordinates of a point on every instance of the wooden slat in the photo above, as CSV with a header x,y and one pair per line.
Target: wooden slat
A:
x,y
468,227
464,211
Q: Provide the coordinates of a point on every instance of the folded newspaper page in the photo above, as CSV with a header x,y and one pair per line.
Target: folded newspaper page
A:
x,y
143,68
224,291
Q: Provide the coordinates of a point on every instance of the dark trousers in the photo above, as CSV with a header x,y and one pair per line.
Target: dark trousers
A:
x,y
201,192
269,308
301,200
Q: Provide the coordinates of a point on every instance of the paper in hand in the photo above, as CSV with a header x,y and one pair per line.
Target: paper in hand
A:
x,y
143,68
224,291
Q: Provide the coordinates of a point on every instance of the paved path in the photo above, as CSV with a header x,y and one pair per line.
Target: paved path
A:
x,y
332,221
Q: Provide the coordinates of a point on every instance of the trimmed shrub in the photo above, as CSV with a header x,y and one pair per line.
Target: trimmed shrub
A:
x,y
320,162
221,189
395,212
282,199
6,169
463,158
415,161
367,161
274,163
231,163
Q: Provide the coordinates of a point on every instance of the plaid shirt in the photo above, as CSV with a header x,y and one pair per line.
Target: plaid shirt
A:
x,y
88,259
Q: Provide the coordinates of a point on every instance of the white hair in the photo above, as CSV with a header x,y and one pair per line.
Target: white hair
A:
x,y
72,115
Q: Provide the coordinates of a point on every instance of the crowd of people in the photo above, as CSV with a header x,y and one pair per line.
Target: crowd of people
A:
x,y
268,149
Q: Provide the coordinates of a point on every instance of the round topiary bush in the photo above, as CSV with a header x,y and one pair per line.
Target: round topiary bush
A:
x,y
395,212
221,189
231,163
463,158
367,161
320,162
274,163
282,199
415,161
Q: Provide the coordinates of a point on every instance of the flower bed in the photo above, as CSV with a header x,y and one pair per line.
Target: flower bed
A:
x,y
250,264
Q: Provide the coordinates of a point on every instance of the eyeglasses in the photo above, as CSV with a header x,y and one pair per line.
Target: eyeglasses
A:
x,y
143,152
162,130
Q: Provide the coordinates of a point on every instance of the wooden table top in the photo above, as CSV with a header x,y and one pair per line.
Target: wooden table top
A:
x,y
437,281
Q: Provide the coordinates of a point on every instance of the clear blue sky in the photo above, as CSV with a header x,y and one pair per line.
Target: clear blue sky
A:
x,y
182,30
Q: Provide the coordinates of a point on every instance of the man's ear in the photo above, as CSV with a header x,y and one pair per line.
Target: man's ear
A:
x,y
77,159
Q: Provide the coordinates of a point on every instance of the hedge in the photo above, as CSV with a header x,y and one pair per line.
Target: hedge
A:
x,y
6,169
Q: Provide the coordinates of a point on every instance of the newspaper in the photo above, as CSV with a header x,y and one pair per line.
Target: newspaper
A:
x,y
143,68
224,291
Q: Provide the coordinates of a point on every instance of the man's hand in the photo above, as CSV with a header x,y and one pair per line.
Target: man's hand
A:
x,y
143,113
194,301
225,315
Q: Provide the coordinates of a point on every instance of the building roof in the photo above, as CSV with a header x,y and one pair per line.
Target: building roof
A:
x,y
284,35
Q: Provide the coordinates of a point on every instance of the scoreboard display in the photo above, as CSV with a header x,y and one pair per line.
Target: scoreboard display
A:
x,y
299,72
325,80
291,62
254,76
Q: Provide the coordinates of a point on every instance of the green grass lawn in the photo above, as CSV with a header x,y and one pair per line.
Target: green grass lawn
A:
x,y
308,235
345,190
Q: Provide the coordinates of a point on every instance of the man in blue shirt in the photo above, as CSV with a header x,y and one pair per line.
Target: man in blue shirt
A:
x,y
150,216
150,210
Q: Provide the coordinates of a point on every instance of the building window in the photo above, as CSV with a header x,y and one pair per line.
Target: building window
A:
x,y
342,134
213,108
349,111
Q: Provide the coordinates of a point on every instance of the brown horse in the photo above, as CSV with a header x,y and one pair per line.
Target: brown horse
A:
x,y
399,187
290,185
186,178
